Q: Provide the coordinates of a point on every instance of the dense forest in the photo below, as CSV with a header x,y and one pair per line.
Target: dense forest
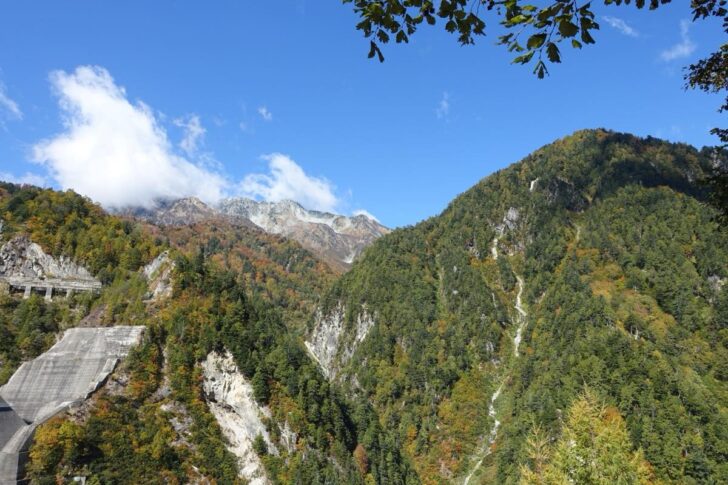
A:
x,y
621,266
236,289
563,321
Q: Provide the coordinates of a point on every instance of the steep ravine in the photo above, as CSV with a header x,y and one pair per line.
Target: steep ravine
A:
x,y
520,325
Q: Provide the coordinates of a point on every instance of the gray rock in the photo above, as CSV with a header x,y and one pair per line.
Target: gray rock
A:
x,y
23,263
159,276
331,344
230,399
338,239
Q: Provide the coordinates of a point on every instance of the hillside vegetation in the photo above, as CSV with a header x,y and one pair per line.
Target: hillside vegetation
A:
x,y
563,321
234,288
621,268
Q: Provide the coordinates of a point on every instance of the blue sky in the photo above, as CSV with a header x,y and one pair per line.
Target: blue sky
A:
x,y
278,99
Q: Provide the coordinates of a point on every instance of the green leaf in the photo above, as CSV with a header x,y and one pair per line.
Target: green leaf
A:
x,y
524,59
536,41
586,37
552,52
518,19
568,29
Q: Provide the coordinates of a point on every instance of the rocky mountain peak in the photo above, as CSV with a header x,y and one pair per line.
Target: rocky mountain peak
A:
x,y
339,239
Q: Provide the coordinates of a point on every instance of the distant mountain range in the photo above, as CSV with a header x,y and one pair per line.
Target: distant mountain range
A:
x,y
338,239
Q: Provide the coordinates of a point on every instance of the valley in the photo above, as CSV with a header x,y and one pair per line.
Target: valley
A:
x,y
570,305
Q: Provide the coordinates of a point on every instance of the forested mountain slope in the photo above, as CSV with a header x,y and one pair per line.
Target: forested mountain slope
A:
x,y
576,293
237,292
565,320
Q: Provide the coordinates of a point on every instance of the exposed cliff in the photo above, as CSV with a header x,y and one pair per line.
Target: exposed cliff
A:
x,y
21,260
339,239
334,340
230,398
159,276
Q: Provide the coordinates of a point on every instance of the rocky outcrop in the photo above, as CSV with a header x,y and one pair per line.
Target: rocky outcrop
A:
x,y
339,239
22,259
189,210
509,223
230,398
331,344
181,421
159,277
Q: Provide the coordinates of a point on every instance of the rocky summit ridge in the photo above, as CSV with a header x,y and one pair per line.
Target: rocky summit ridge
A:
x,y
336,238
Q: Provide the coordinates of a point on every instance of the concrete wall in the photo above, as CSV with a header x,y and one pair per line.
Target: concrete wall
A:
x,y
68,373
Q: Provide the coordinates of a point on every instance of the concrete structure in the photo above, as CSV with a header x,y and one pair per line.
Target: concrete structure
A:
x,y
24,266
49,286
67,374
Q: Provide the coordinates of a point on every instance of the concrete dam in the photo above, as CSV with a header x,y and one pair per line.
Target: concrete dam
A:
x,y
67,374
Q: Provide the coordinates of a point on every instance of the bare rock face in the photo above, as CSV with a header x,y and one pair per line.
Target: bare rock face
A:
x,y
338,239
159,276
332,344
230,398
189,210
22,258
323,344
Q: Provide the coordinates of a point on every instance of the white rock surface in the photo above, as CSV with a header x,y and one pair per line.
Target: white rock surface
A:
x,y
325,343
159,276
288,438
231,401
336,237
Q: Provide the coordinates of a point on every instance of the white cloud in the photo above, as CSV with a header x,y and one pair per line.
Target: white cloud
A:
x,y
194,133
621,26
26,178
684,48
114,151
118,153
362,212
287,180
265,114
7,104
443,107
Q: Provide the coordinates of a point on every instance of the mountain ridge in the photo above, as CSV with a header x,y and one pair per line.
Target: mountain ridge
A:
x,y
338,239
442,295
566,311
